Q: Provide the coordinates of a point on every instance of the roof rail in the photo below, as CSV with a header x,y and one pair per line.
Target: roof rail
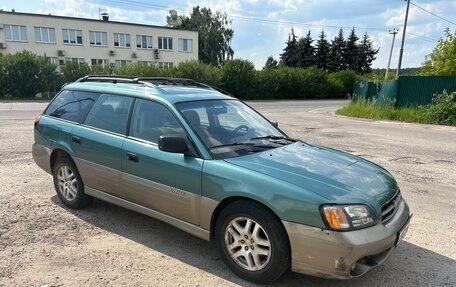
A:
x,y
113,79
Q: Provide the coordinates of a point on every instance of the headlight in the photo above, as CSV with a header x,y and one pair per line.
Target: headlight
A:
x,y
348,217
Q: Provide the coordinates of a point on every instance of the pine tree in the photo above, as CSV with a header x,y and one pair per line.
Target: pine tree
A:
x,y
289,57
270,64
366,55
306,52
322,51
336,53
351,54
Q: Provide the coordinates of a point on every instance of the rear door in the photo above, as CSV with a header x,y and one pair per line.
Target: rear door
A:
x,y
97,143
163,181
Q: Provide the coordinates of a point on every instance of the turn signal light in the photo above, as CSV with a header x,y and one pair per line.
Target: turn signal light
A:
x,y
36,120
336,218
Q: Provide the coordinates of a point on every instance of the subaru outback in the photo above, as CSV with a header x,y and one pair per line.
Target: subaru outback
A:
x,y
205,162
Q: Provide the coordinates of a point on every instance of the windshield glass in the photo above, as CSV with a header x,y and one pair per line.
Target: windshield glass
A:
x,y
229,128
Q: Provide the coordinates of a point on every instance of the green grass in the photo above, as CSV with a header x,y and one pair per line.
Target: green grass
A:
x,y
365,109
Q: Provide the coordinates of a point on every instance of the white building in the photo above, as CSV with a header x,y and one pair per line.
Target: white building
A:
x,y
96,42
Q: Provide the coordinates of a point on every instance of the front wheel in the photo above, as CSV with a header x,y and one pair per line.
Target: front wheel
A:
x,y
252,242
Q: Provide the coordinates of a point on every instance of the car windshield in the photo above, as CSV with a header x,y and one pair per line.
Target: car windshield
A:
x,y
230,128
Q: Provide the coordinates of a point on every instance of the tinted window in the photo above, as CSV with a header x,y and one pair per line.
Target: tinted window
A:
x,y
110,113
151,120
72,105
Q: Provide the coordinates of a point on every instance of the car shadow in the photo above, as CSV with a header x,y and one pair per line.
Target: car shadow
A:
x,y
409,265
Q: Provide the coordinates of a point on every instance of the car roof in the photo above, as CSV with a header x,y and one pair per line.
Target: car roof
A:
x,y
170,94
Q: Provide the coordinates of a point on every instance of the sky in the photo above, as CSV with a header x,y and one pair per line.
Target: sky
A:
x,y
261,27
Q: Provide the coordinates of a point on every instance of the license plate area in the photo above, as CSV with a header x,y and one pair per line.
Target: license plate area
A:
x,y
403,232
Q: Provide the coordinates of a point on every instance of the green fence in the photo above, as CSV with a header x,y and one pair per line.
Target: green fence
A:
x,y
404,91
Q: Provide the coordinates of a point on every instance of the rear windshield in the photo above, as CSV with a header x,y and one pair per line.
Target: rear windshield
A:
x,y
72,105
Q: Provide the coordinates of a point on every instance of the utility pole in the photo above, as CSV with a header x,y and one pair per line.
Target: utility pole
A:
x,y
401,52
394,32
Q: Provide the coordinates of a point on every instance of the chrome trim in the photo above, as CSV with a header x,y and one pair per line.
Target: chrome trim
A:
x,y
185,226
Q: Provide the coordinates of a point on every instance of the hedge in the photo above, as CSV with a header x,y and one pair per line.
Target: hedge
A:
x,y
25,74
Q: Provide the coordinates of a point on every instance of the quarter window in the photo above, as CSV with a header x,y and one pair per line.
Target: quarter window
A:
x,y
151,120
165,43
15,33
97,38
185,45
121,40
72,105
110,113
144,42
72,36
44,35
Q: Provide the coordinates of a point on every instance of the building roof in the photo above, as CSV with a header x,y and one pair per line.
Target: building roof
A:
x,y
91,20
168,94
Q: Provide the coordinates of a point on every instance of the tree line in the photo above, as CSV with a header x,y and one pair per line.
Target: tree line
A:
x,y
337,55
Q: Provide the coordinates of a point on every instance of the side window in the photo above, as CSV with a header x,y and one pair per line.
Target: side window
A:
x,y
151,120
72,105
110,113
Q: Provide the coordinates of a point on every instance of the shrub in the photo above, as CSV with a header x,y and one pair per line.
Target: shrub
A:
x,y
73,71
443,109
347,78
199,72
238,77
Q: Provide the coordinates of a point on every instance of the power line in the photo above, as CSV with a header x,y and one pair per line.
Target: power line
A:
x,y
417,6
262,20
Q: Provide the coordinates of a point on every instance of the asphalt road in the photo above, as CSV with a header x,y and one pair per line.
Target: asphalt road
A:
x,y
42,242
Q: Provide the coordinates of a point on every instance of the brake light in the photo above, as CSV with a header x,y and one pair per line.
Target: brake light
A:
x,y
36,120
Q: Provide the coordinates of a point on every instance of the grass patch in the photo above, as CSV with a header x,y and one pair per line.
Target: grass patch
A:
x,y
442,111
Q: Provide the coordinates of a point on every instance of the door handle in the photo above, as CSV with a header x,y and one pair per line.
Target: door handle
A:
x,y
76,139
131,156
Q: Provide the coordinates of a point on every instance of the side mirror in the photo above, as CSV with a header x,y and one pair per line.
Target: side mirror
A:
x,y
274,123
173,144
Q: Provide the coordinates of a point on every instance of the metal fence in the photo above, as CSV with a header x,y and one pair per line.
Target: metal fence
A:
x,y
404,91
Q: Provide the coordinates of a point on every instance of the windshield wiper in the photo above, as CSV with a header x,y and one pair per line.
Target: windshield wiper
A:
x,y
272,137
231,144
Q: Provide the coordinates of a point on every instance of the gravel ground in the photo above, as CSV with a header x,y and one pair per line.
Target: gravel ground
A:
x,y
44,243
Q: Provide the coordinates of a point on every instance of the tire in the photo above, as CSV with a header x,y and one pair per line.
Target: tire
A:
x,y
68,184
264,228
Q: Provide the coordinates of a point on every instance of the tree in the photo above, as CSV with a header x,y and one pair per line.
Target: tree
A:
x,y
442,60
270,64
305,52
322,51
337,53
366,55
289,55
214,35
351,54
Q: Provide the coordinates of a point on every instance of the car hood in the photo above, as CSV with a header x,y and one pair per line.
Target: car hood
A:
x,y
337,176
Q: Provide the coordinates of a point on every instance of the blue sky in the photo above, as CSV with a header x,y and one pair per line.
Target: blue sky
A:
x,y
256,40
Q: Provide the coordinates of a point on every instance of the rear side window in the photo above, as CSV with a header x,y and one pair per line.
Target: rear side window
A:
x,y
110,113
151,120
72,105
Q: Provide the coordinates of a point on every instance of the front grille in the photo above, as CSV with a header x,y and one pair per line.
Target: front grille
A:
x,y
390,207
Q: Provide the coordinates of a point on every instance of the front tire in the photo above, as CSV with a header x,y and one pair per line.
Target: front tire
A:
x,y
252,242
68,184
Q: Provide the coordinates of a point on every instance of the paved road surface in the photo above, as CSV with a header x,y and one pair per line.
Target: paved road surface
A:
x,y
42,242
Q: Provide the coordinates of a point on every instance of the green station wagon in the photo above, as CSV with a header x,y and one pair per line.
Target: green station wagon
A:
x,y
201,160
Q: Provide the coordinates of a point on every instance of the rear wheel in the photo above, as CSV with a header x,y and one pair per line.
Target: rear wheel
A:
x,y
252,242
69,185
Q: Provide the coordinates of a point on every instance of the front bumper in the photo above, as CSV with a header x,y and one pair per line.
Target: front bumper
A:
x,y
344,255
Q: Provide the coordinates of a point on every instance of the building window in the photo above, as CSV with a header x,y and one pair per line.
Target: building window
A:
x,y
121,40
97,38
165,64
75,60
185,45
53,60
44,35
144,42
147,63
121,63
72,37
165,43
15,33
99,62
